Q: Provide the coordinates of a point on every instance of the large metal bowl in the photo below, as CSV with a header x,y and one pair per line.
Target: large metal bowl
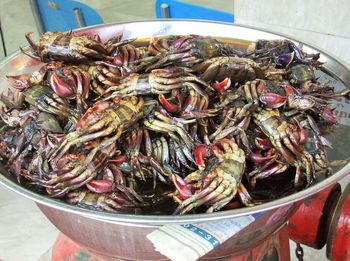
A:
x,y
124,236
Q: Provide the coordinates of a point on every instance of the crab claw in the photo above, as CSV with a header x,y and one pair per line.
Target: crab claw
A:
x,y
170,107
60,87
19,82
118,60
222,86
302,135
184,189
119,159
262,144
272,100
327,114
100,186
289,90
258,158
200,154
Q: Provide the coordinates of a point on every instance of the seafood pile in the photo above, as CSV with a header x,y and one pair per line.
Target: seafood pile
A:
x,y
185,124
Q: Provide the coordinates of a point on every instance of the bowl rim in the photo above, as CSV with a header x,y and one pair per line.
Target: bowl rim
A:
x,y
151,220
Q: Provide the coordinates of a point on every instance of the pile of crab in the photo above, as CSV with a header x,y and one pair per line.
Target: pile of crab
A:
x,y
186,124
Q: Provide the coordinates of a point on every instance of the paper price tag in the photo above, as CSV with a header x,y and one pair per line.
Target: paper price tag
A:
x,y
188,242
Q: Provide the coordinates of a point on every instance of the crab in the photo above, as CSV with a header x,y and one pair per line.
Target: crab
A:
x,y
158,81
44,99
102,120
215,183
281,52
115,202
185,51
286,142
67,47
83,170
164,124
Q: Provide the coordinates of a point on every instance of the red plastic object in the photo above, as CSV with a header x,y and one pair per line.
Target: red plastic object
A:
x,y
309,224
66,249
275,248
338,241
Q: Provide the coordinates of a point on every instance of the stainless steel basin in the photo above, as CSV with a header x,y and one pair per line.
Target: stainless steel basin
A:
x,y
124,236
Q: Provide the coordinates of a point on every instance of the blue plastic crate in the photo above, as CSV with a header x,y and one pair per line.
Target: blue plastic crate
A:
x,y
58,15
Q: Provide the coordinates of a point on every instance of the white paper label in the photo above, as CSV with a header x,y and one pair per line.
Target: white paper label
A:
x,y
188,242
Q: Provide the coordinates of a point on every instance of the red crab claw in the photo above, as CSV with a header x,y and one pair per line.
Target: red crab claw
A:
x,y
184,189
272,100
118,60
19,82
263,144
256,157
100,186
60,87
327,114
261,88
289,90
302,135
200,154
222,86
170,107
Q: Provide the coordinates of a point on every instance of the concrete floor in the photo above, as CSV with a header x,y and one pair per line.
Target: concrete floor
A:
x,y
25,234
